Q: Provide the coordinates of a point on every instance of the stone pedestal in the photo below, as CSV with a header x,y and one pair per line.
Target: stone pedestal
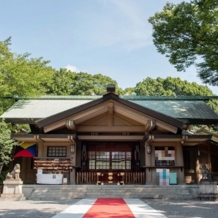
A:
x,y
12,190
208,190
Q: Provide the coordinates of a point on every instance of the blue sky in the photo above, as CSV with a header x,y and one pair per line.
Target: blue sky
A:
x,y
111,37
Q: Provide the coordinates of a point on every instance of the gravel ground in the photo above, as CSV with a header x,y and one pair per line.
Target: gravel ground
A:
x,y
170,208
33,209
184,209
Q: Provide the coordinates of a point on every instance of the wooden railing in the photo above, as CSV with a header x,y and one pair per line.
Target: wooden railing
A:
x,y
134,178
127,178
86,178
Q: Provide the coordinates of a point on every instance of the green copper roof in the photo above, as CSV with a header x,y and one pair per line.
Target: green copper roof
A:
x,y
182,107
140,98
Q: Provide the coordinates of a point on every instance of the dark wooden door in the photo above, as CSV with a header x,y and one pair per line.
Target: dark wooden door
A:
x,y
110,160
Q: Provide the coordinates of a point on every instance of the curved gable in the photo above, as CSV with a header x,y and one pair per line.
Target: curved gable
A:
x,y
109,114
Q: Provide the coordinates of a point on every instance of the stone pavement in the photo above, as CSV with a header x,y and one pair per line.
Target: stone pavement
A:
x,y
169,208
137,207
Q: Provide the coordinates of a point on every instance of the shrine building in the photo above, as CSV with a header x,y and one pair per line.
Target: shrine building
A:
x,y
114,139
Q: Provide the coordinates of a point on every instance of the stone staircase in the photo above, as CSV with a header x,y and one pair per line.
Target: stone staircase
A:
x,y
67,192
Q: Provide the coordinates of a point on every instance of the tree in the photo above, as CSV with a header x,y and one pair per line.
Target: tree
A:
x,y
152,87
87,84
65,82
129,91
61,83
171,87
6,143
21,75
184,88
187,33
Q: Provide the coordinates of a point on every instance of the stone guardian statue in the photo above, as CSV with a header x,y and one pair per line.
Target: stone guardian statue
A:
x,y
15,173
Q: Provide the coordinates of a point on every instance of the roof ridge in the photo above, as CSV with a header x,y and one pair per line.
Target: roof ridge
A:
x,y
138,97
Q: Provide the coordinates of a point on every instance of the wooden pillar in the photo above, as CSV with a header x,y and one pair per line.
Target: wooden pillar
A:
x,y
209,158
148,162
44,150
40,149
198,166
179,162
73,172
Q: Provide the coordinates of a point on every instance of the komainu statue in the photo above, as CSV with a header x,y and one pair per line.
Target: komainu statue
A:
x,y
15,174
206,175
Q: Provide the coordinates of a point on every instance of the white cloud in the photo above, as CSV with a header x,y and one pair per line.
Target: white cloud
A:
x,y
126,25
72,68
130,10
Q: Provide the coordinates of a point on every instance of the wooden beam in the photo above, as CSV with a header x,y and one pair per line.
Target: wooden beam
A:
x,y
149,139
55,139
142,118
53,126
96,120
70,125
89,114
131,114
77,118
39,139
164,140
167,126
123,121
24,139
110,129
150,125
111,137
190,143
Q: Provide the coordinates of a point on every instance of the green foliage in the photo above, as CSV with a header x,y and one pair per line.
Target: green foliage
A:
x,y
61,83
187,34
87,84
71,83
149,87
129,91
170,87
3,176
6,143
21,75
214,105
182,87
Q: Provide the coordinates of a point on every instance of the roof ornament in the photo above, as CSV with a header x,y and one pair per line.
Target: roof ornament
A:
x,y
110,88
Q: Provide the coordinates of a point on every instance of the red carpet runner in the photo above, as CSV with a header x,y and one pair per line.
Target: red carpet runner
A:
x,y
109,208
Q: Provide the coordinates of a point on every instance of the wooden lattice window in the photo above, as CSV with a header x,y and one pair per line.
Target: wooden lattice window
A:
x,y
115,160
121,160
57,151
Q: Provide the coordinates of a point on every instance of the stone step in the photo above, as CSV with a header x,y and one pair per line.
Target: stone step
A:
x,y
53,192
